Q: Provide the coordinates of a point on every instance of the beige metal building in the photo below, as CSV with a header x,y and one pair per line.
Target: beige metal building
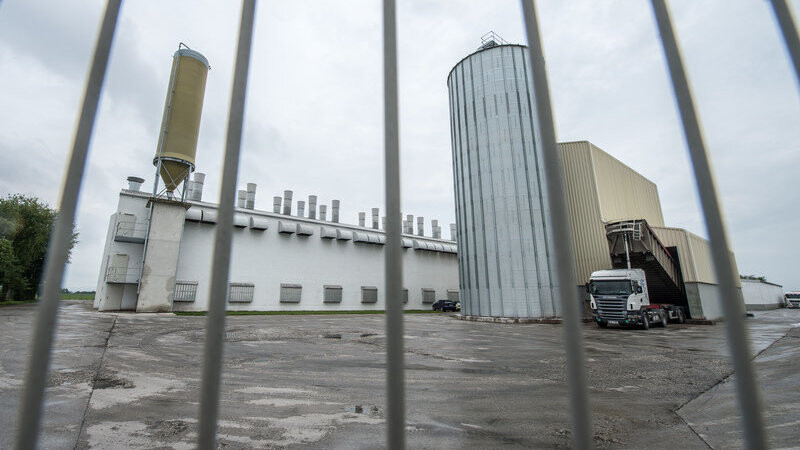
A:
x,y
600,190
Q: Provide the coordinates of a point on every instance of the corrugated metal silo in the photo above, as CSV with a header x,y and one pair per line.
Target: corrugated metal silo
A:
x,y
503,219
180,125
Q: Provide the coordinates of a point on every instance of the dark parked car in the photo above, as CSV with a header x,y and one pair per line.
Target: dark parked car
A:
x,y
445,305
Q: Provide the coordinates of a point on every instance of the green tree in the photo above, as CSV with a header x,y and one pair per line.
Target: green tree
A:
x,y
25,225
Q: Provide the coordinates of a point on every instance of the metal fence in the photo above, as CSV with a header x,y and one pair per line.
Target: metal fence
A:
x,y
30,409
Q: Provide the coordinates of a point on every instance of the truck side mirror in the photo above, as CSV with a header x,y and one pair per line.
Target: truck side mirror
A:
x,y
639,289
587,288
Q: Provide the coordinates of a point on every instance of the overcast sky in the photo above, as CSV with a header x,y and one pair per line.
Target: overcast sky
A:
x,y
314,104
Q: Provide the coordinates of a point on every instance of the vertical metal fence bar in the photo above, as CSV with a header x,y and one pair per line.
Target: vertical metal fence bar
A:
x,y
30,405
215,325
562,235
746,385
789,30
393,267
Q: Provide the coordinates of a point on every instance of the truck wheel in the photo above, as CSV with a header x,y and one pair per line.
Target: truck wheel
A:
x,y
645,321
681,316
663,319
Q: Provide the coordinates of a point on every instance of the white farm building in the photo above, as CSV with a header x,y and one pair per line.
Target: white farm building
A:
x,y
279,261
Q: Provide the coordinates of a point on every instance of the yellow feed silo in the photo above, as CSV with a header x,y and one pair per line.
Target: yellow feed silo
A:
x,y
177,141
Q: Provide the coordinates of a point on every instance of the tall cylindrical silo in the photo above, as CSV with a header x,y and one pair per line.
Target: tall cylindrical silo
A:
x,y
180,125
504,233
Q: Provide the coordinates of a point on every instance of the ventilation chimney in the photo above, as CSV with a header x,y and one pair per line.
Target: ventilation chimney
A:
x,y
376,212
242,197
420,226
197,186
437,232
323,212
335,211
287,203
251,196
134,183
312,207
301,208
453,232
276,204
362,218
189,188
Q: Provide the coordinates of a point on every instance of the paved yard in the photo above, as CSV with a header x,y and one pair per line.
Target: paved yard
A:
x,y
127,380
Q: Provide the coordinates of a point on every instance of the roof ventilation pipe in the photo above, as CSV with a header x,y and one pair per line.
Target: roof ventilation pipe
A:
x,y
134,183
276,204
287,203
301,208
242,199
251,196
453,232
335,211
420,226
312,207
197,186
437,232
362,218
323,212
376,212
188,189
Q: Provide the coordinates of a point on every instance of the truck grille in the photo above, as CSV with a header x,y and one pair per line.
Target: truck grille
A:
x,y
610,308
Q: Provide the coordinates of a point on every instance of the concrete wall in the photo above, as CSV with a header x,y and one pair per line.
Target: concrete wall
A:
x,y
161,257
705,301
760,295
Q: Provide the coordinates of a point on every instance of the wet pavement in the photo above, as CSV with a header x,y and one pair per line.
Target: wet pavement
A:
x,y
131,381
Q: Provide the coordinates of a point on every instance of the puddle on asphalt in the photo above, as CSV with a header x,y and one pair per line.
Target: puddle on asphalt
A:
x,y
108,380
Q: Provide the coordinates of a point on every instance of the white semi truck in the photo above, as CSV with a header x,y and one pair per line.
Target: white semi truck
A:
x,y
619,297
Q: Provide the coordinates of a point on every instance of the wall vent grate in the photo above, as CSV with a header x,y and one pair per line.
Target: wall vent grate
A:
x,y
290,293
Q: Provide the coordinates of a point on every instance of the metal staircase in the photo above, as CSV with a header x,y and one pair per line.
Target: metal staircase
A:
x,y
635,242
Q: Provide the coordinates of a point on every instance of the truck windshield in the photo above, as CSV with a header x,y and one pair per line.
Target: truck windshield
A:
x,y
610,287
793,295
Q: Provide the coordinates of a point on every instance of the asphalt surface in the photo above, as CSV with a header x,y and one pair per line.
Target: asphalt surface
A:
x,y
131,381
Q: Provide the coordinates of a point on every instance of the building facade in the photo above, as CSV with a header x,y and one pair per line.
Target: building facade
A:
x,y
278,261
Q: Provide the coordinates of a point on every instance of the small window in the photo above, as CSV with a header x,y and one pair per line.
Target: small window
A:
x,y
369,294
332,294
404,295
290,293
428,295
240,292
452,295
185,291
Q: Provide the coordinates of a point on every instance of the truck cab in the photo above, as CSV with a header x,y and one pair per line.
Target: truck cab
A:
x,y
792,299
619,297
